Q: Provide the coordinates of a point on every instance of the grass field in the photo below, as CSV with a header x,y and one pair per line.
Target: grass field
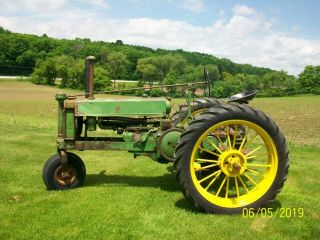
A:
x,y
127,198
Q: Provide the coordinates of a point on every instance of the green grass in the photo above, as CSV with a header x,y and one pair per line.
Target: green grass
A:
x,y
127,198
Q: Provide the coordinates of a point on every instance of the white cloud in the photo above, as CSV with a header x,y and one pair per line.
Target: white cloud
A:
x,y
243,10
100,3
246,37
193,5
35,6
221,13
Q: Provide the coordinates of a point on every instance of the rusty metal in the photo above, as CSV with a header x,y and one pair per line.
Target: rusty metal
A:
x,y
143,88
64,157
165,124
65,175
236,166
89,77
115,145
69,103
136,137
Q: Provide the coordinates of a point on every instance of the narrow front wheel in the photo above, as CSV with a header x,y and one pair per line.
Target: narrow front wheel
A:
x,y
57,176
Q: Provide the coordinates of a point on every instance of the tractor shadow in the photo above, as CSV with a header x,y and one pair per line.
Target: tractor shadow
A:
x,y
274,205
166,182
187,206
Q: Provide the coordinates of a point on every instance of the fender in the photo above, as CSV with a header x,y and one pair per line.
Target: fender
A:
x,y
243,97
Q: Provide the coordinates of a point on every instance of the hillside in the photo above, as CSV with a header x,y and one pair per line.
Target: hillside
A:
x,y
20,52
46,59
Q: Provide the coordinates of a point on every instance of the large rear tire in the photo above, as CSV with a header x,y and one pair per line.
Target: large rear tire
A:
x,y
197,107
230,158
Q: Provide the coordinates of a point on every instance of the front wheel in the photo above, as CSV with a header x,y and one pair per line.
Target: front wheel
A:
x,y
59,177
230,158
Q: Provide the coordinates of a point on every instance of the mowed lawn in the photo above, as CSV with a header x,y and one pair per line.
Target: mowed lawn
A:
x,y
127,198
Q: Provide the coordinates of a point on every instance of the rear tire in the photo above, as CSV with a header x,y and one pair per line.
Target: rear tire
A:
x,y
225,179
198,107
59,178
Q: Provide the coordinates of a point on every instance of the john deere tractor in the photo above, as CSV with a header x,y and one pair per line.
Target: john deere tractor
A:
x,y
226,155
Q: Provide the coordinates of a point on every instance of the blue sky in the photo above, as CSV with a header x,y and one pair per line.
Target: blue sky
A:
x,y
297,16
279,34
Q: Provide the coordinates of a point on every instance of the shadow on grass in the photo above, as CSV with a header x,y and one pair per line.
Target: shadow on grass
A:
x,y
275,205
166,182
186,205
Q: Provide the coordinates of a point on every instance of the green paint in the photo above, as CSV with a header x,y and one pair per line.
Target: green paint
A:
x,y
60,121
60,99
123,107
169,142
70,126
127,136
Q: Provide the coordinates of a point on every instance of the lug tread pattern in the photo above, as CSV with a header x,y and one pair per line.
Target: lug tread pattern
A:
x,y
201,124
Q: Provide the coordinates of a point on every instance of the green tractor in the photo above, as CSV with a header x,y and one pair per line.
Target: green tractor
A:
x,y
227,156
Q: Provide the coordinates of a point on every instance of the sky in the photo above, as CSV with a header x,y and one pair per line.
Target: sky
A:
x,y
279,34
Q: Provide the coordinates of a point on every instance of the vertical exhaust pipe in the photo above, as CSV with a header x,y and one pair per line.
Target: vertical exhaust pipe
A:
x,y
89,86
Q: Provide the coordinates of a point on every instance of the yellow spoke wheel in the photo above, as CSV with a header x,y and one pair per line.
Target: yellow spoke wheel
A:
x,y
230,158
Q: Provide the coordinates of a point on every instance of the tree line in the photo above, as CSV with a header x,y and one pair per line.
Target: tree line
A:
x,y
47,59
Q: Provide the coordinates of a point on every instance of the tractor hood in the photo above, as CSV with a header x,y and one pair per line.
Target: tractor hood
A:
x,y
139,108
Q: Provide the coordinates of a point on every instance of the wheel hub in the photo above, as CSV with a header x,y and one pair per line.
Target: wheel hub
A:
x,y
233,163
65,175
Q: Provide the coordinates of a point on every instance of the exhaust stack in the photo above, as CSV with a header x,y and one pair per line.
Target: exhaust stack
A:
x,y
89,86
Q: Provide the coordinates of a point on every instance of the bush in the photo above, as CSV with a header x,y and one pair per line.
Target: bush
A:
x,y
156,92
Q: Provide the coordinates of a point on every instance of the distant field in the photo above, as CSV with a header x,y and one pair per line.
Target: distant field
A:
x,y
127,198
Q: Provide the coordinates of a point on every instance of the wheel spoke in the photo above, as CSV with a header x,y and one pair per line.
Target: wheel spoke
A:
x,y
256,149
219,139
213,145
206,167
210,176
228,136
224,180
258,165
243,184
227,187
250,179
213,180
206,160
251,139
235,136
237,188
205,150
243,140
254,171
256,156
